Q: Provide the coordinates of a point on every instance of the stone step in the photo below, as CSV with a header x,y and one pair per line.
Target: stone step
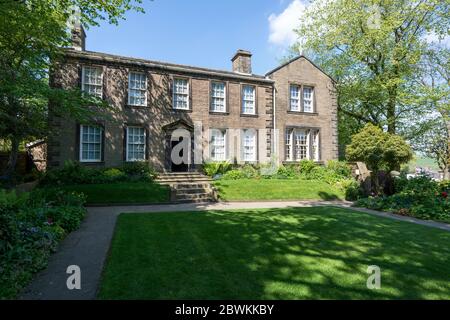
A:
x,y
193,191
197,196
183,181
194,185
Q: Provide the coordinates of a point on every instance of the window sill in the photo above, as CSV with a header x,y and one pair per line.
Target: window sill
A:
x,y
135,106
249,115
303,113
182,110
91,162
219,113
320,162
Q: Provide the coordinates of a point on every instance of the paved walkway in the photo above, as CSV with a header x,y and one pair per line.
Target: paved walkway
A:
x,y
88,246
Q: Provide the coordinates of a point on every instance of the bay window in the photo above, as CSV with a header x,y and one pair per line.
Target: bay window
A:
x,y
302,143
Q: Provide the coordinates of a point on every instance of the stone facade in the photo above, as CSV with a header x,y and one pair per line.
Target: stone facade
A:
x,y
159,118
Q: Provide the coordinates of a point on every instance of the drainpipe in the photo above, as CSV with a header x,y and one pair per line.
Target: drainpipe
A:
x,y
275,136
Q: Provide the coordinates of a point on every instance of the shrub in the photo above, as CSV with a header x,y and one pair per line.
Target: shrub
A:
x,y
340,168
76,173
287,172
113,175
351,188
249,171
306,167
233,175
420,197
216,167
31,225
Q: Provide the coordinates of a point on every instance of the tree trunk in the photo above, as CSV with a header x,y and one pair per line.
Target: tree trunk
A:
x,y
446,173
391,120
12,161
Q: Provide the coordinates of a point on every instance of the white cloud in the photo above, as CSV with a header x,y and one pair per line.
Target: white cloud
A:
x,y
282,25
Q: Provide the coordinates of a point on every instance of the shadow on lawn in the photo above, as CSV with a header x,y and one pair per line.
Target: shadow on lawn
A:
x,y
318,253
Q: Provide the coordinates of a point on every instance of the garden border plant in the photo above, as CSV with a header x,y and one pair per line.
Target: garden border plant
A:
x,y
31,227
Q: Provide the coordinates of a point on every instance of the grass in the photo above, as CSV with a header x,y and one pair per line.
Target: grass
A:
x,y
123,192
276,189
291,253
422,162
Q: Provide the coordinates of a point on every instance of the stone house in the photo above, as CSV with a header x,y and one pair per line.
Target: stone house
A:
x,y
287,115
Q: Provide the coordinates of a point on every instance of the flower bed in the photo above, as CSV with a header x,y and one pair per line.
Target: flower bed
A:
x,y
419,197
31,226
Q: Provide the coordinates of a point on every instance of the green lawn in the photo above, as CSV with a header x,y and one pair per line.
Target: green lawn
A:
x,y
123,192
294,253
276,189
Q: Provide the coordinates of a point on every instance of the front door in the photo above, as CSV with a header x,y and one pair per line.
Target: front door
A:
x,y
183,167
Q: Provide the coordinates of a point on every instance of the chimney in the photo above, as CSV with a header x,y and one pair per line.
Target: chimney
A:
x,y
242,62
78,37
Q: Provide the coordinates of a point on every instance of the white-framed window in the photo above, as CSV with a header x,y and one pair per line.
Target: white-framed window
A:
x,y
249,145
136,138
248,99
90,143
218,145
181,93
137,89
315,145
295,97
302,144
308,96
289,144
92,80
218,97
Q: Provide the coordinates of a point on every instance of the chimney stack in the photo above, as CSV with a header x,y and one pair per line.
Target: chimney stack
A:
x,y
78,37
242,62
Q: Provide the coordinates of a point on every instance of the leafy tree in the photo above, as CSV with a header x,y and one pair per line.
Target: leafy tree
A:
x,y
373,49
379,150
33,34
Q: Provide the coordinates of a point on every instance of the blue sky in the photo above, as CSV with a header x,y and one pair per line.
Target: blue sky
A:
x,y
202,33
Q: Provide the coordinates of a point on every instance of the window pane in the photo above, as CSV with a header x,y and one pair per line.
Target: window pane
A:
x,y
136,144
248,99
307,99
91,143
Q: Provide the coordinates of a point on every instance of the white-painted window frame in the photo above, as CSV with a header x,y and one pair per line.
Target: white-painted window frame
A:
x,y
187,94
214,97
144,91
127,157
82,127
245,100
84,85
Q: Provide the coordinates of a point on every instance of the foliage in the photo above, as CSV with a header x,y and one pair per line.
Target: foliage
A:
x,y
33,34
374,52
75,173
234,174
419,197
213,168
378,149
31,226
135,192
